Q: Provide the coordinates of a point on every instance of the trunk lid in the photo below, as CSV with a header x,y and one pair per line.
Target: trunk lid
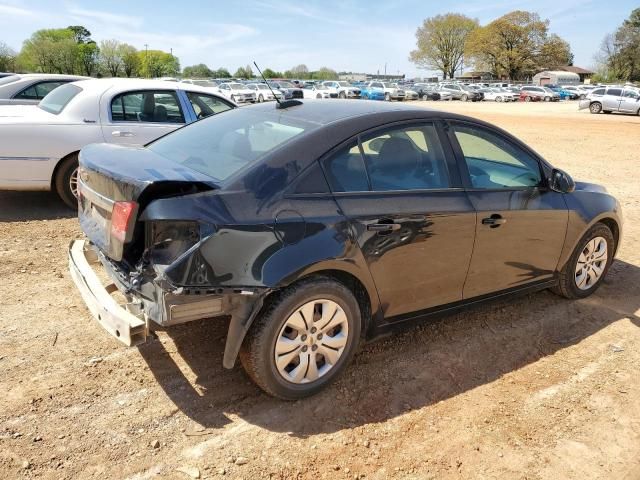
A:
x,y
115,180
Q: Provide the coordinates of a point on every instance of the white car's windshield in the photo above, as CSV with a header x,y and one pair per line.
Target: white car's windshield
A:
x,y
236,86
204,83
286,85
344,84
59,98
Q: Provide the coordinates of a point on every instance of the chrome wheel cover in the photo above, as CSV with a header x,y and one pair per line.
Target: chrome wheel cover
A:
x,y
591,263
73,182
311,341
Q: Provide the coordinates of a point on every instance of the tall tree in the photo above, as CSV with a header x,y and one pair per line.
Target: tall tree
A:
x,y
111,57
325,73
300,71
221,73
89,56
441,42
130,59
516,46
7,58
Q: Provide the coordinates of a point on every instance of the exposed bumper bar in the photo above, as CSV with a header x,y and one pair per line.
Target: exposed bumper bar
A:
x,y
115,318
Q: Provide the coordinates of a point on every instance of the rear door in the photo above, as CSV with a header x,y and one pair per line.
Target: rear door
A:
x,y
630,102
412,220
521,223
612,99
138,117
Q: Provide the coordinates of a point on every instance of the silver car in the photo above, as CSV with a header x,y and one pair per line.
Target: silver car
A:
x,y
612,99
29,89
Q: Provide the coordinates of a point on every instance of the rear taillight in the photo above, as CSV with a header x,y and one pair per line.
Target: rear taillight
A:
x,y
121,219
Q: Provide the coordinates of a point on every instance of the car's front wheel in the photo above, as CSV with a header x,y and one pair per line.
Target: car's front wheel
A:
x,y
584,271
464,98
260,98
303,339
66,181
595,107
387,97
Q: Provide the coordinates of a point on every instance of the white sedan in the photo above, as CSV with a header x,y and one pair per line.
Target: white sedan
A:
x,y
30,88
263,92
237,92
497,95
39,144
316,91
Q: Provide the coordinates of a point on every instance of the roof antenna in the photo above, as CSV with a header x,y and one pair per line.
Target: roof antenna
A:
x,y
280,105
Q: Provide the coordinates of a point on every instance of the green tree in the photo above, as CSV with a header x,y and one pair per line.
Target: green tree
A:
x,y
244,72
7,58
300,72
268,73
221,73
156,63
130,59
197,71
89,56
50,51
80,34
441,42
325,73
516,46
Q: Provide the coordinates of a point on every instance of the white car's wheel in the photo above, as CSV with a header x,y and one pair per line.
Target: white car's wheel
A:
x,y
66,181
260,98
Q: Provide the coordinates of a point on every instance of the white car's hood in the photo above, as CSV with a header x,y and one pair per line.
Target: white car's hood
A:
x,y
24,114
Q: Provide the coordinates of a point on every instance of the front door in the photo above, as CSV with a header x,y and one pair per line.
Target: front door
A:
x,y
521,224
414,227
138,117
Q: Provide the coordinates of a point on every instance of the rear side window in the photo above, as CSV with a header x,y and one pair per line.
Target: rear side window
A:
x,y
59,98
39,90
147,106
598,91
401,158
616,92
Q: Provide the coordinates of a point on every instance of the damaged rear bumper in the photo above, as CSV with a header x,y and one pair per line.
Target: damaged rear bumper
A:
x,y
119,321
129,322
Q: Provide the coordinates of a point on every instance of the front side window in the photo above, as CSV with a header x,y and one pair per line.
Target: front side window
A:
x,y
205,105
495,163
403,158
630,94
147,106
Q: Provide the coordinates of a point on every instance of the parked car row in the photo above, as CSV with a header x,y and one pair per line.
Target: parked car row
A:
x,y
623,99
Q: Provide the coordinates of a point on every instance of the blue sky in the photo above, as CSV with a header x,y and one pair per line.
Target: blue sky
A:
x,y
350,35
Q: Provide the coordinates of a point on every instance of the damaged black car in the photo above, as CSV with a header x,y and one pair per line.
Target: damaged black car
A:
x,y
320,225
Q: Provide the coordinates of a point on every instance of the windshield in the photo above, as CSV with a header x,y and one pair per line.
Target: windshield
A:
x,y
286,85
58,98
236,86
222,145
344,84
262,86
320,87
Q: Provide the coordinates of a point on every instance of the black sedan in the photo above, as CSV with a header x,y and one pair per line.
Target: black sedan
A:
x,y
320,225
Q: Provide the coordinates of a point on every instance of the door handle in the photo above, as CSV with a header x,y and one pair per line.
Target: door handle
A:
x,y
383,227
494,220
118,133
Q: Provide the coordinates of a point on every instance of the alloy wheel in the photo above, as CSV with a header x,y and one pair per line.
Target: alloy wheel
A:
x,y
311,341
73,182
591,263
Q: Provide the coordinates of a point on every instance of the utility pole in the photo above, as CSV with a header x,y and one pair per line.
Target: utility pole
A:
x,y
146,54
385,69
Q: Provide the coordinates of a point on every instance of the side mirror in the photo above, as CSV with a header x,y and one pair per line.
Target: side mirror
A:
x,y
562,182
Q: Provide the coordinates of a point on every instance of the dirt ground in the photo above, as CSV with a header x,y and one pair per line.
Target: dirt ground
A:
x,y
533,388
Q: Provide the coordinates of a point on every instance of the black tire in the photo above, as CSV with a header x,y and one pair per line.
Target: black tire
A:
x,y
62,181
566,283
318,96
257,352
464,97
595,107
547,99
342,95
260,98
387,97
527,98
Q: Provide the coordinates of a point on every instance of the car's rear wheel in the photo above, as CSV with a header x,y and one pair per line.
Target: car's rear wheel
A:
x,y
527,98
66,181
595,107
303,339
584,271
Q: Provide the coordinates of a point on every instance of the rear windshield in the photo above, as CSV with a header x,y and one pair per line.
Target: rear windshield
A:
x,y
221,145
55,101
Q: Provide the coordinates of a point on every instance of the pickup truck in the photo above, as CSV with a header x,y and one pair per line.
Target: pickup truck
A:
x,y
389,92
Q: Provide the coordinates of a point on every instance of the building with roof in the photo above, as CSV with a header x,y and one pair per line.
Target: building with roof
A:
x,y
556,77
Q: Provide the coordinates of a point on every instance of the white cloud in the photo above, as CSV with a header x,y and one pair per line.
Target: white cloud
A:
x,y
14,11
105,18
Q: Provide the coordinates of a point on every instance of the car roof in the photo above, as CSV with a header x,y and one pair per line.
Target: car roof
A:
x,y
326,112
100,85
